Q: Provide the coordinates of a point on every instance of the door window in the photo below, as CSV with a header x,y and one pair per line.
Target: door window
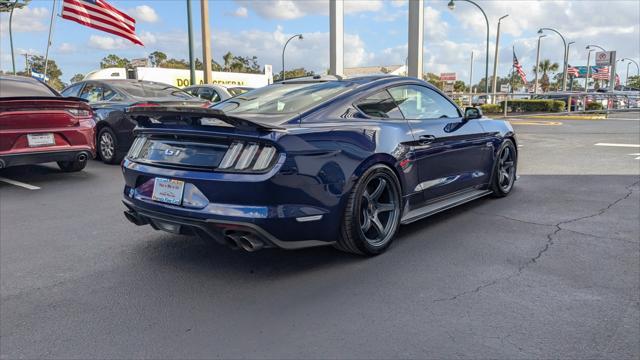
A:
x,y
109,94
92,93
419,102
380,105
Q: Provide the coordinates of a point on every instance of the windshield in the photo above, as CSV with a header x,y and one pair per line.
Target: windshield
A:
x,y
24,87
152,90
284,98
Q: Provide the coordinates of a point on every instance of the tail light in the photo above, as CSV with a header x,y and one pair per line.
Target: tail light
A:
x,y
243,156
80,112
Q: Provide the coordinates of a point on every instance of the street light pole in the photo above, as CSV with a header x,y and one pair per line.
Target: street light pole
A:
x,y
564,69
495,60
452,6
471,81
570,80
299,36
535,89
586,80
192,63
13,57
635,63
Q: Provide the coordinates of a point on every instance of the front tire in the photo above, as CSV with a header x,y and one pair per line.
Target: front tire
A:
x,y
372,214
504,173
107,146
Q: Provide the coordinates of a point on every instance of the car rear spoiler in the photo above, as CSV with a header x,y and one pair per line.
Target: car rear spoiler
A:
x,y
192,116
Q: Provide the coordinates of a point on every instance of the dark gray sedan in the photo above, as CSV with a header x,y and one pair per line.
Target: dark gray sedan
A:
x,y
109,99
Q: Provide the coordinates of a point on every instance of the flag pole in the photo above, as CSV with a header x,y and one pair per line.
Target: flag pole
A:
x,y
46,56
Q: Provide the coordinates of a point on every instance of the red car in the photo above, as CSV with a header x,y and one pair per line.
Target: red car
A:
x,y
38,125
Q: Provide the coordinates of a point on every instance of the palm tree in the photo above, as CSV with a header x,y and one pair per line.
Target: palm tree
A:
x,y
228,60
545,66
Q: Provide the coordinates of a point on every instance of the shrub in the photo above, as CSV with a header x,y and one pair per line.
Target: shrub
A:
x,y
594,106
534,105
491,108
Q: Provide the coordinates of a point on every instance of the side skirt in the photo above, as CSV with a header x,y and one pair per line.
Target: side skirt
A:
x,y
442,205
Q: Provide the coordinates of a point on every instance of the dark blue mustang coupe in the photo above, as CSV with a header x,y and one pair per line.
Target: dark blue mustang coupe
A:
x,y
314,161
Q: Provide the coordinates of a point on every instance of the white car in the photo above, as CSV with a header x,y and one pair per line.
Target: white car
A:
x,y
216,93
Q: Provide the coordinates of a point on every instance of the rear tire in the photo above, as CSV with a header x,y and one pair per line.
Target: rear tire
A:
x,y
72,166
504,173
107,146
372,214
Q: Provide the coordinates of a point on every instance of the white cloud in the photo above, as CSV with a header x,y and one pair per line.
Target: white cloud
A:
x,y
144,13
311,53
26,19
241,12
66,48
107,42
290,9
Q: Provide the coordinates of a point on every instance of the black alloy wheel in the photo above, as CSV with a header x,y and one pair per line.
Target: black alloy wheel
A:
x,y
505,172
373,213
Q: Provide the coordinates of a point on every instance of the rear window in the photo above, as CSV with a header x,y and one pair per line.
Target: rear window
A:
x,y
235,91
22,88
284,98
152,90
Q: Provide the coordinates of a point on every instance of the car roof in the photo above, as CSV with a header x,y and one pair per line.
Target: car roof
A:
x,y
18,78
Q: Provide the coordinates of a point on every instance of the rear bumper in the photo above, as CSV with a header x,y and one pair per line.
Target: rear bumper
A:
x,y
233,233
39,157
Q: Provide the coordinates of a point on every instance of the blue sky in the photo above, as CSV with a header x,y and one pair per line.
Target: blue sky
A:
x,y
375,33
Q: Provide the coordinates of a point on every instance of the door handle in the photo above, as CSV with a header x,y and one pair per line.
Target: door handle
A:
x,y
426,139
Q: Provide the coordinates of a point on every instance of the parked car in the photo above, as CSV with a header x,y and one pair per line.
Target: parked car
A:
x,y
216,93
311,162
38,125
109,99
478,100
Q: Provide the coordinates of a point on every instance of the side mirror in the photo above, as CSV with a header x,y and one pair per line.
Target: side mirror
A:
x,y
471,113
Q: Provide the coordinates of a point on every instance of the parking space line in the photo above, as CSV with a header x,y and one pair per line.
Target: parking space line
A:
x,y
636,154
618,145
18,183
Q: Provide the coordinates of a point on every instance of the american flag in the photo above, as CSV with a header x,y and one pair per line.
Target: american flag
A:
x,y
573,71
518,67
601,73
98,14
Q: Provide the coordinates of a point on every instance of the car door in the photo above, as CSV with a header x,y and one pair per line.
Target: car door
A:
x,y
452,154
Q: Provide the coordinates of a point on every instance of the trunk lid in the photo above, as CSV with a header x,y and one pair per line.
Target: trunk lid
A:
x,y
41,113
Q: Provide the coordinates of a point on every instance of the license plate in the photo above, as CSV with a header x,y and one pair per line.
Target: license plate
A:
x,y
168,191
36,140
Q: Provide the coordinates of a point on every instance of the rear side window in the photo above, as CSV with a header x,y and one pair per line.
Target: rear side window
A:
x,y
92,93
419,102
72,90
380,105
22,88
208,94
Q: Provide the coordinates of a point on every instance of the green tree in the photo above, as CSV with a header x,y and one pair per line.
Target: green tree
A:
x,y
433,79
157,58
460,86
6,5
77,77
545,67
113,60
36,63
175,64
295,73
228,60
634,82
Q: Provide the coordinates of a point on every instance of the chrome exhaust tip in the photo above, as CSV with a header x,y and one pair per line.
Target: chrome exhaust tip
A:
x,y
82,157
246,242
2,164
250,243
134,218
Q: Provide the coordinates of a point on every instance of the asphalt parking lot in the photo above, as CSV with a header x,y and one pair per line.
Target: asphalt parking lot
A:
x,y
552,271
